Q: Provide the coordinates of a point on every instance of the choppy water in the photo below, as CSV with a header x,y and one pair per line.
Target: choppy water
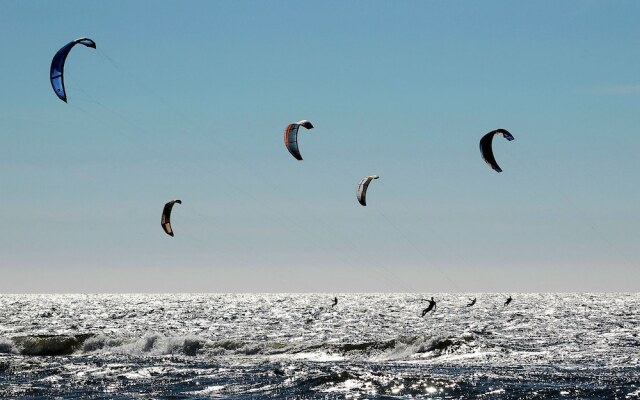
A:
x,y
296,346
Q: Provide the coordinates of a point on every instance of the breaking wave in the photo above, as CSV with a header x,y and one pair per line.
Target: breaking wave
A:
x,y
48,345
404,347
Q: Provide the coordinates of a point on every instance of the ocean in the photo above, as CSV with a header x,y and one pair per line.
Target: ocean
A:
x,y
297,346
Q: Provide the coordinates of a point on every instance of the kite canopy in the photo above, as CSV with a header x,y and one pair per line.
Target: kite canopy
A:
x,y
362,188
486,147
166,216
57,66
291,137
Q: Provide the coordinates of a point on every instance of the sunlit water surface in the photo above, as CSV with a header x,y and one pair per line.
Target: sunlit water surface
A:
x,y
297,346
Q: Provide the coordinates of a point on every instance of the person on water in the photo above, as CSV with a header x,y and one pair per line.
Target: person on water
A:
x,y
506,303
432,307
472,302
335,302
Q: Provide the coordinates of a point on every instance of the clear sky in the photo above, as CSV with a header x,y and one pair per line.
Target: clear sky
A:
x,y
189,100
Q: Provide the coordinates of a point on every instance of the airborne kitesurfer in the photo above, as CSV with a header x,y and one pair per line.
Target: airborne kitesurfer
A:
x,y
432,307
472,302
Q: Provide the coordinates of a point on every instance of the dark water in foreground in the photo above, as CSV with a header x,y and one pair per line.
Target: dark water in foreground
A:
x,y
584,346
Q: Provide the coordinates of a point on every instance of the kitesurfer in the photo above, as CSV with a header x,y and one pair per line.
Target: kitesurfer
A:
x,y
432,307
472,302
508,300
335,302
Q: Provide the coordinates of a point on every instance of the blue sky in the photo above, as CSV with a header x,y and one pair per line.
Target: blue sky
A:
x,y
189,100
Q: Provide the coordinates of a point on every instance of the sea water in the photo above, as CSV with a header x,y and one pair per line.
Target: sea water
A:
x,y
297,346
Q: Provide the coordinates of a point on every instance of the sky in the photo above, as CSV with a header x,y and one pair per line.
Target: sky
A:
x,y
189,100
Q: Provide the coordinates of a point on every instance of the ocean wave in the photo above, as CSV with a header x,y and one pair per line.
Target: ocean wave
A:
x,y
7,346
151,344
403,347
49,345
411,347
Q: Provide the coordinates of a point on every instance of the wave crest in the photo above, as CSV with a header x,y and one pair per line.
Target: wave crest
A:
x,y
403,347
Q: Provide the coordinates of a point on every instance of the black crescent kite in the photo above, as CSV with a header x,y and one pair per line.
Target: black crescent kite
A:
x,y
166,216
486,147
